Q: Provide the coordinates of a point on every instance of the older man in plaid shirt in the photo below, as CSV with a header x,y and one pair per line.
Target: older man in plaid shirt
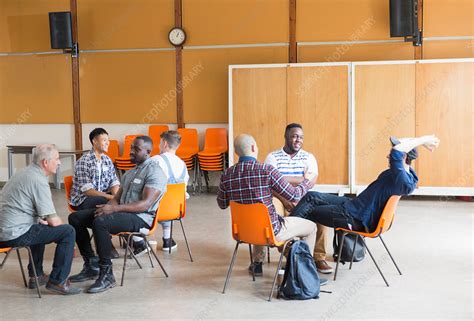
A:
x,y
250,181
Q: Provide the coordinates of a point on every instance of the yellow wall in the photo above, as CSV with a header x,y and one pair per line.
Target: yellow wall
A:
x,y
122,86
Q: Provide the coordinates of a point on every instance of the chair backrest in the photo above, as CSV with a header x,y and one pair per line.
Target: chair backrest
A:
x,y
216,140
189,141
127,145
388,214
113,151
154,131
173,204
67,188
251,224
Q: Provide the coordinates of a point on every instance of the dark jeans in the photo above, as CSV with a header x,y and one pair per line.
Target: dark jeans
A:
x,y
326,209
36,238
90,202
102,227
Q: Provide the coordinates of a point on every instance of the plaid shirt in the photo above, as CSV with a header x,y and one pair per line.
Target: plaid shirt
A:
x,y
250,182
90,174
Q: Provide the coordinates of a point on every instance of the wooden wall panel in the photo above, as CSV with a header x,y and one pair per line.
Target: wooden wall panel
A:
x,y
214,22
322,20
448,49
128,87
110,24
259,106
206,96
445,108
384,106
360,52
448,18
317,99
35,89
24,24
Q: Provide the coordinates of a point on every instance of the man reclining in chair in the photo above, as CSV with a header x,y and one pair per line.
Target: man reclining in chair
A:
x,y
363,212
250,181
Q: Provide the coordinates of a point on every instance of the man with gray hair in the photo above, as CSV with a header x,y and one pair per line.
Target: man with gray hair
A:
x,y
28,218
250,181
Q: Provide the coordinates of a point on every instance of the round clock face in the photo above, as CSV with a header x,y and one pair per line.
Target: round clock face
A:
x,y
177,36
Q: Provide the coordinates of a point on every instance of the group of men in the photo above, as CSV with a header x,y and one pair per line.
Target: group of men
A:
x,y
284,181
101,203
107,206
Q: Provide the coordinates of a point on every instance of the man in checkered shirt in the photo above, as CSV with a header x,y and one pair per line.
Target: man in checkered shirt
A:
x,y
250,181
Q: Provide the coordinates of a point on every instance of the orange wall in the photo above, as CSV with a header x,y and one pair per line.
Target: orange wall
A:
x,y
122,86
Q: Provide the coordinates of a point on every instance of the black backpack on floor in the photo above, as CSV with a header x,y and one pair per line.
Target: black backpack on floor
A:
x,y
301,279
346,253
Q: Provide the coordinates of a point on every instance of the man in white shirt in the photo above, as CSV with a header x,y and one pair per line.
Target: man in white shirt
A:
x,y
293,163
176,172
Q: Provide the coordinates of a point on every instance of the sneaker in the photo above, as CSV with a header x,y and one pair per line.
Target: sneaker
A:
x,y
323,281
257,268
140,248
323,267
167,243
42,279
64,289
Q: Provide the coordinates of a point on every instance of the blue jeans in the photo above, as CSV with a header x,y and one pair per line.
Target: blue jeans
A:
x,y
90,202
37,237
326,209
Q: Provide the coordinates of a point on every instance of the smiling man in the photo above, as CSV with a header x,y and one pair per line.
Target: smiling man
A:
x,y
133,208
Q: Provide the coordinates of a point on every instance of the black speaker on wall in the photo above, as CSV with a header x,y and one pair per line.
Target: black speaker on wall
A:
x,y
402,18
60,28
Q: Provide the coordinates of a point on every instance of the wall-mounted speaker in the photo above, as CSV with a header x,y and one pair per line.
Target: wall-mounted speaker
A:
x,y
402,18
60,28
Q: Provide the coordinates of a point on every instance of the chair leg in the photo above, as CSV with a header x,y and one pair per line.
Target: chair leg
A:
x,y
148,252
21,267
186,240
277,270
158,260
34,270
231,266
268,254
380,236
339,254
171,236
206,179
251,262
376,265
5,259
353,251
125,258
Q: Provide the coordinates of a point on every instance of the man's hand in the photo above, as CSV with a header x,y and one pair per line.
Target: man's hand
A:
x,y
431,142
43,222
104,209
288,205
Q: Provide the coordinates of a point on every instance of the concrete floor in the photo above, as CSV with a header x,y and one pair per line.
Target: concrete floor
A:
x,y
431,240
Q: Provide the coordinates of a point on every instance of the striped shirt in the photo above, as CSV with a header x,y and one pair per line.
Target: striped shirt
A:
x,y
250,182
297,165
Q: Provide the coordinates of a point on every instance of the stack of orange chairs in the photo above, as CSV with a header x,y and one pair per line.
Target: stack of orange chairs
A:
x,y
113,152
188,150
124,163
154,131
213,157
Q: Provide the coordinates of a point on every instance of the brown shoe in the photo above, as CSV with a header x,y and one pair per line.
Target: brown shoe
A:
x,y
323,267
64,288
42,279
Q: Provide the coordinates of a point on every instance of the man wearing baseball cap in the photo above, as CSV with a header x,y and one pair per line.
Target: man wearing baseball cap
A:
x,y
363,212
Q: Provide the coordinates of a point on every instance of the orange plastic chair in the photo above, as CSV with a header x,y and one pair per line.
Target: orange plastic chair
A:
x,y
212,157
173,208
7,251
385,222
67,188
154,131
251,225
113,152
215,141
188,150
123,162
127,238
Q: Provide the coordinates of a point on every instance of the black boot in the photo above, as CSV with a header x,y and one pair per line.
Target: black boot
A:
x,y
105,281
90,270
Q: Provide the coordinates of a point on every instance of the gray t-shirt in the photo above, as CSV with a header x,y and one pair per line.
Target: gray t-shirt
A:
x,y
147,174
24,198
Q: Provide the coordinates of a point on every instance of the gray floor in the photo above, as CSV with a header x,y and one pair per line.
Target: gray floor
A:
x,y
432,241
